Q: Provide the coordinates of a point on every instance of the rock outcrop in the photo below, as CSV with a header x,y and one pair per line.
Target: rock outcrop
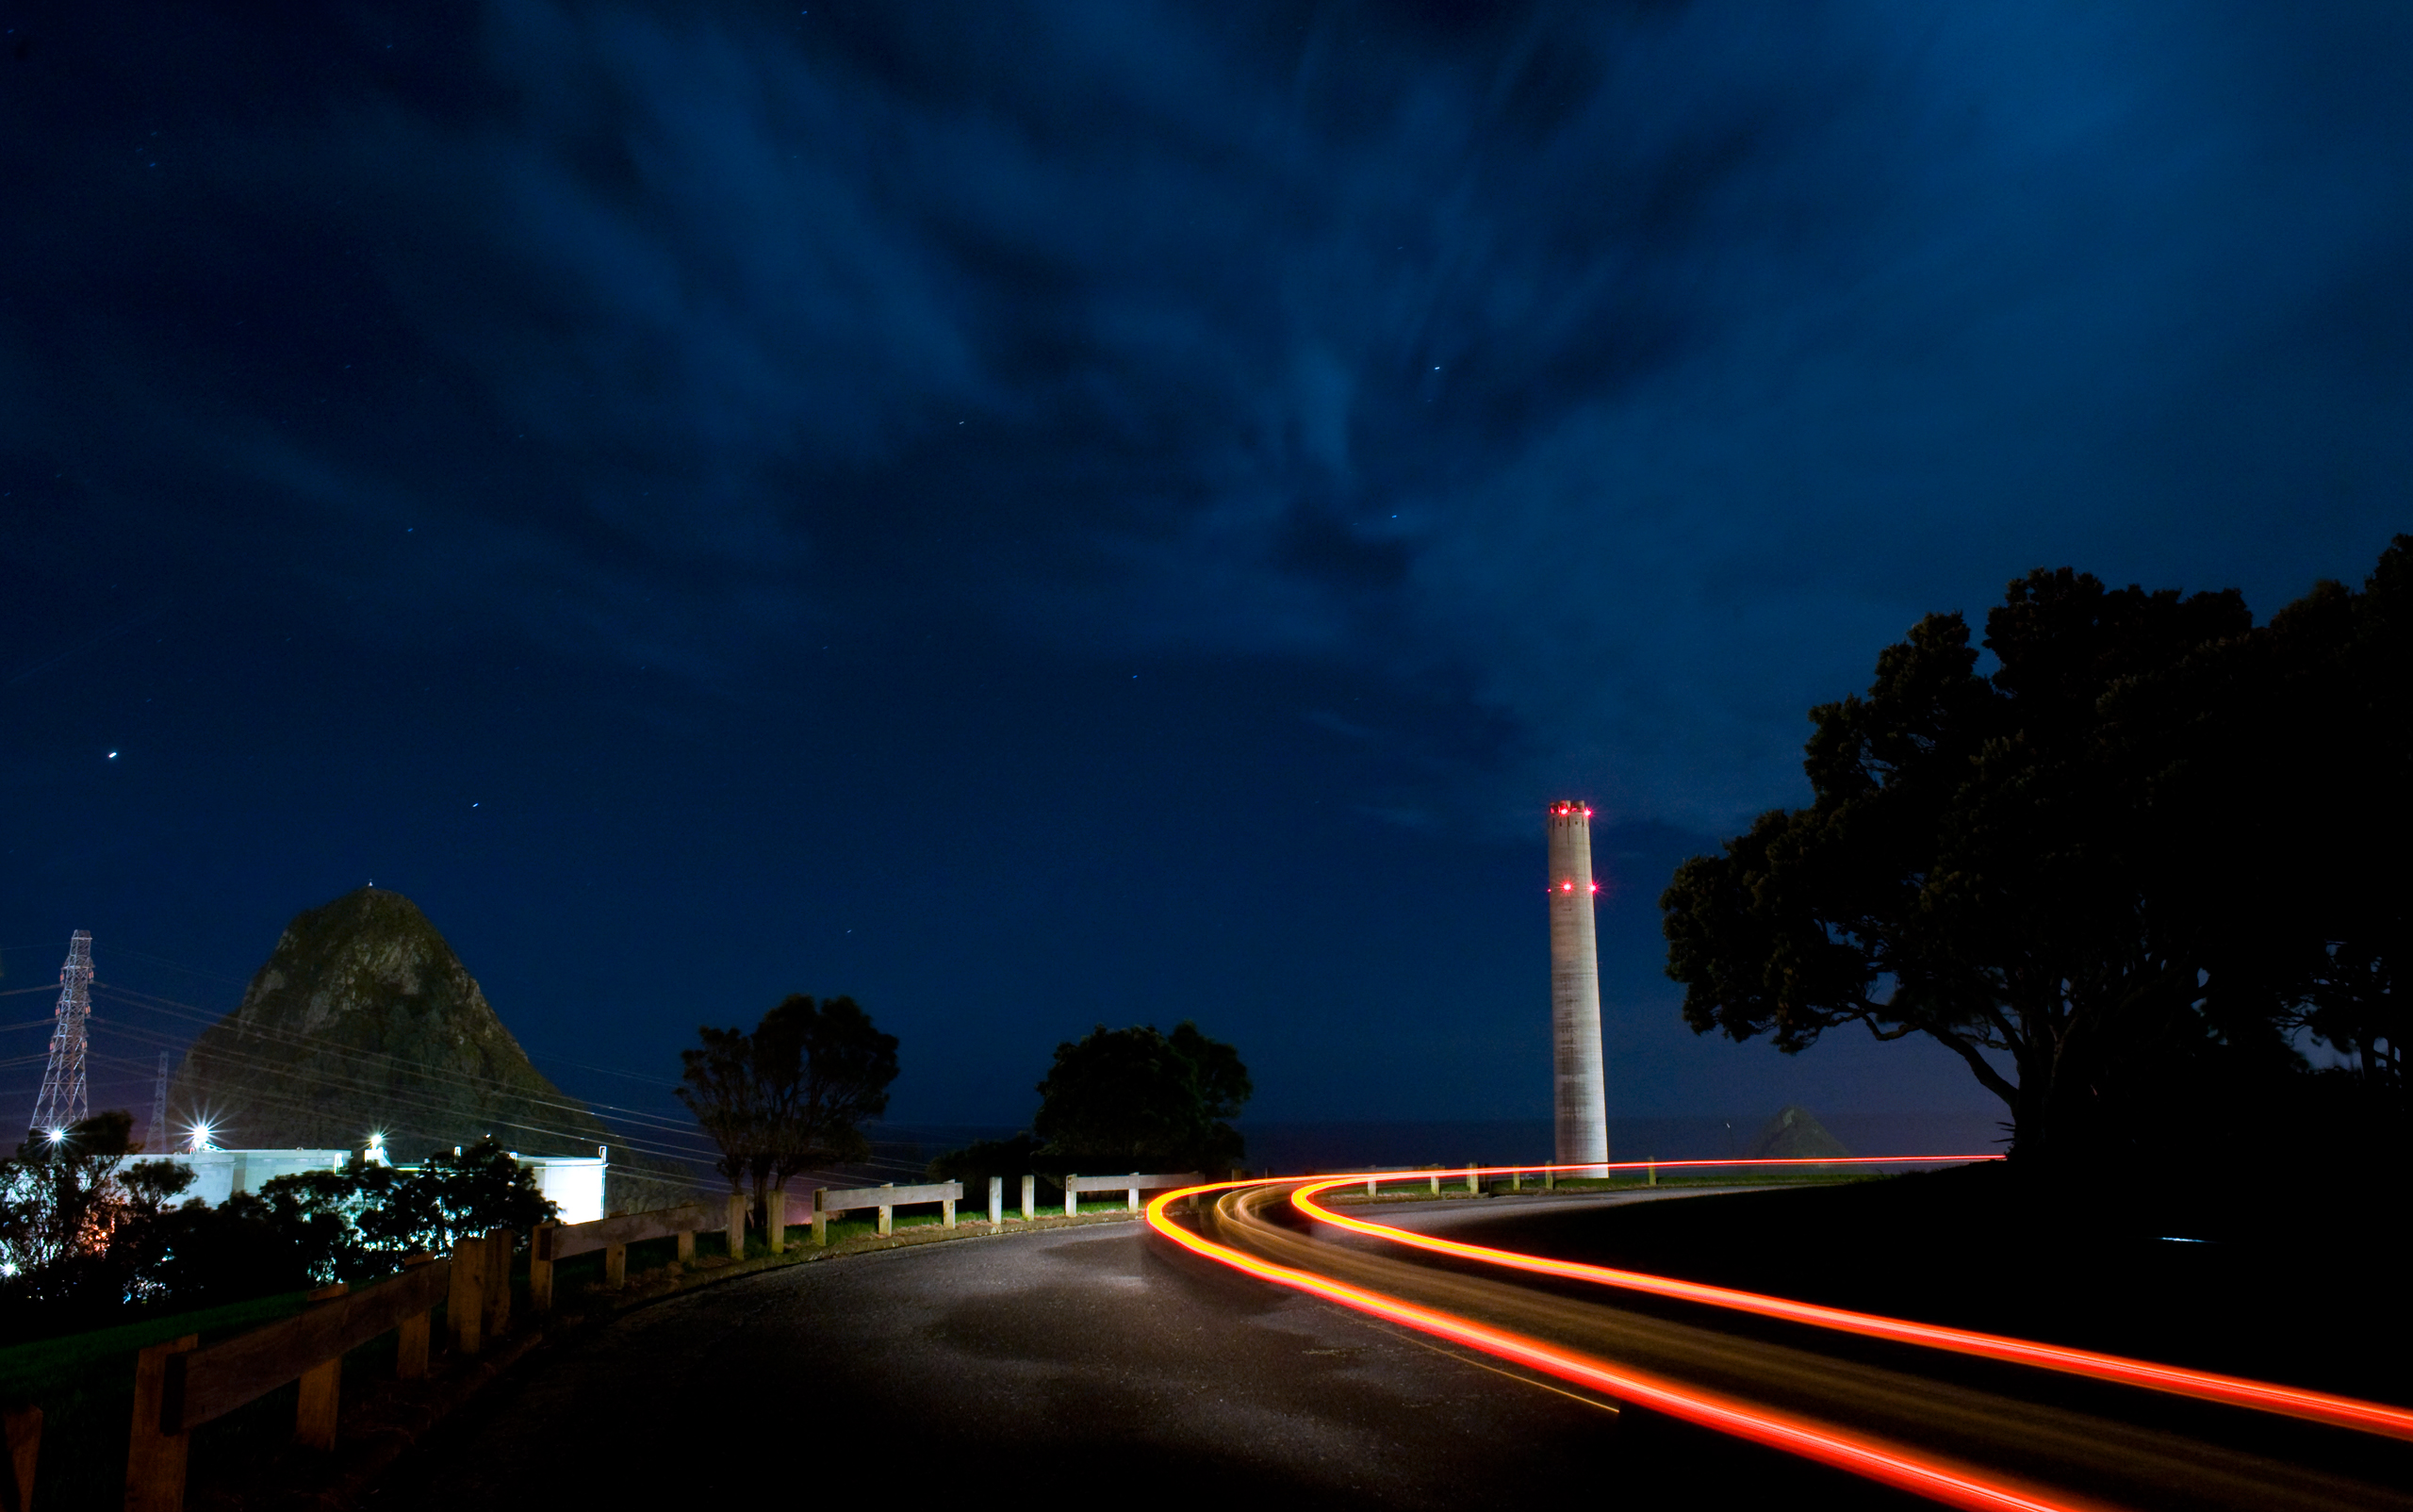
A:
x,y
363,1019
1795,1134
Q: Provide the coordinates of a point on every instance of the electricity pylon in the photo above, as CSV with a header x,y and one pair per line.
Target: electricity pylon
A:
x,y
65,1102
154,1138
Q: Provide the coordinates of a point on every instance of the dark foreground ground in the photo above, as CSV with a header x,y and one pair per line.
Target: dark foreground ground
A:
x,y
1079,1363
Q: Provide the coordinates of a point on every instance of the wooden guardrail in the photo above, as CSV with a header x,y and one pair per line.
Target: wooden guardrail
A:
x,y
1435,1178
1132,1185
553,1243
21,1436
887,1197
179,1386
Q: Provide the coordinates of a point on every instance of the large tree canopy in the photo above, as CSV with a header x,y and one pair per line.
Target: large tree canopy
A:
x,y
793,1094
1140,1099
2122,860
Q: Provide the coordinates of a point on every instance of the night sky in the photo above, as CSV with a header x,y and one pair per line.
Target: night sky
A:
x,y
1044,515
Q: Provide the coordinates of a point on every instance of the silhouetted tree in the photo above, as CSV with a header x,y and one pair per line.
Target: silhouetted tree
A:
x,y
2301,789
1138,1099
1984,861
976,1163
2120,874
792,1095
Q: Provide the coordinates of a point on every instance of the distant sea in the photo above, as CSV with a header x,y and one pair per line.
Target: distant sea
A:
x,y
1292,1146
1342,1146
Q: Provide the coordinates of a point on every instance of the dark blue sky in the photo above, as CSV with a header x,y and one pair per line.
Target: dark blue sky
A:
x,y
1041,514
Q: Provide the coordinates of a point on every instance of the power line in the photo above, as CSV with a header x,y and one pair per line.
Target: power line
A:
x,y
209,1016
407,1101
174,1007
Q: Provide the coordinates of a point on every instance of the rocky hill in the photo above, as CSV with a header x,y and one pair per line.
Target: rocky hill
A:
x,y
1795,1134
364,1019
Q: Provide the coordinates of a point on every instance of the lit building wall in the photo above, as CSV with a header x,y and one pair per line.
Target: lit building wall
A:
x,y
219,1174
572,1183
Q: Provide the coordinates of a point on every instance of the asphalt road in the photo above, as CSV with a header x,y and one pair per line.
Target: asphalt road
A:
x,y
1077,1362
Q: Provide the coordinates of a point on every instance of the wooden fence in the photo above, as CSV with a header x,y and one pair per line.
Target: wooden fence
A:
x,y
1435,1180
1131,1186
555,1243
179,1386
23,1427
887,1197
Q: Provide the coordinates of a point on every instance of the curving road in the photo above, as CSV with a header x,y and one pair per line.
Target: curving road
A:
x,y
1107,1361
1089,1361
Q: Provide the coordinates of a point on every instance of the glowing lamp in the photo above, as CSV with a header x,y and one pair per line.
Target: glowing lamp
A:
x,y
57,1135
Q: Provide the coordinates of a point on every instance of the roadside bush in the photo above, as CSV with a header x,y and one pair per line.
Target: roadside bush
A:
x,y
85,1237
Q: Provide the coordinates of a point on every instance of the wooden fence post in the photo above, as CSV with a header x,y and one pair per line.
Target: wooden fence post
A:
x,y
775,1226
410,1339
947,1212
1370,1186
498,1278
615,1258
737,1206
154,1461
820,1219
887,1214
314,1419
686,1246
1549,1181
1654,1173
1131,1198
1472,1189
1072,1200
24,1427
996,1201
1436,1186
540,1268
1029,1198
464,1307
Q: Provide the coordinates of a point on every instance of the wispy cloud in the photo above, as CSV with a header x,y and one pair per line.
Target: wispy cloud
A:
x,y
1638,372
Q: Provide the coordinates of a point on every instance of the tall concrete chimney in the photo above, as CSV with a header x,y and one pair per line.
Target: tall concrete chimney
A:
x,y
1581,1102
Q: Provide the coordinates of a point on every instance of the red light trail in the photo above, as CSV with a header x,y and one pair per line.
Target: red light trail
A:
x,y
1938,1479
2264,1396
